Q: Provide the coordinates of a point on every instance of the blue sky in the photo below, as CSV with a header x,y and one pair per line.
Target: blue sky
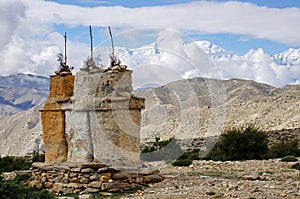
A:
x,y
237,43
141,3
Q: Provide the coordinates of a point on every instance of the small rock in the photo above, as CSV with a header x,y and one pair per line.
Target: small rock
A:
x,y
85,196
123,176
9,176
92,190
252,176
95,184
106,194
75,169
153,178
282,195
74,185
87,170
148,171
110,180
94,177
35,184
48,185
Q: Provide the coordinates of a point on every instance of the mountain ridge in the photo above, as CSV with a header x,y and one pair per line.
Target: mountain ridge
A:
x,y
22,91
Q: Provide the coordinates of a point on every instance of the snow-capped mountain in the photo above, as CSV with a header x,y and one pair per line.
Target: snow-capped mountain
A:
x,y
289,57
214,51
255,65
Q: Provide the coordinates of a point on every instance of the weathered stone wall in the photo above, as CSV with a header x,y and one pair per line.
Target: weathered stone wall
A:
x,y
78,131
118,132
103,119
90,177
53,118
115,83
61,86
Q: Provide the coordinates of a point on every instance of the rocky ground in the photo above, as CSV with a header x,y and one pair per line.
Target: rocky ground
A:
x,y
240,179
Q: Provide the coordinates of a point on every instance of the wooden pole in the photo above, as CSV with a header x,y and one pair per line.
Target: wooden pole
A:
x,y
65,36
112,42
91,38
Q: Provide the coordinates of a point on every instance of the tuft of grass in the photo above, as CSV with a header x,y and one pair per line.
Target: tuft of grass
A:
x,y
296,166
8,164
13,189
284,148
289,158
211,193
182,162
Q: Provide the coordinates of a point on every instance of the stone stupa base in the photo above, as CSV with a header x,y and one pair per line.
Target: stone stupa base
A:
x,y
90,177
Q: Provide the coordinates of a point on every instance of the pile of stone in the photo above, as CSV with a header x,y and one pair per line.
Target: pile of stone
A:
x,y
90,177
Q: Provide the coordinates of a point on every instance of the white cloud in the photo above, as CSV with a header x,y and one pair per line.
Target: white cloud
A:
x,y
11,12
234,17
169,59
258,66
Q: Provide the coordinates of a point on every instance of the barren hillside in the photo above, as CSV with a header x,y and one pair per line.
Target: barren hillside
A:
x,y
184,109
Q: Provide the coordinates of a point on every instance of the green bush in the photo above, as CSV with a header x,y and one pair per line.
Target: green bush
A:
x,y
211,193
289,158
8,164
37,157
9,190
296,166
215,154
182,162
284,148
245,143
15,189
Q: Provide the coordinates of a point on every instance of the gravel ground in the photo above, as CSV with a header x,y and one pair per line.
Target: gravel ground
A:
x,y
239,179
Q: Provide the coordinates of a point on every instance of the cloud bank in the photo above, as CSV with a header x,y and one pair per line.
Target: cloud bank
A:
x,y
29,40
233,17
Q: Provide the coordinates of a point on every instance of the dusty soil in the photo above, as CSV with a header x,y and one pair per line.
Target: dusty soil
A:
x,y
239,179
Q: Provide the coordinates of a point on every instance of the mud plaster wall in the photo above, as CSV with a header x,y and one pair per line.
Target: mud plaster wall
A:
x,y
53,118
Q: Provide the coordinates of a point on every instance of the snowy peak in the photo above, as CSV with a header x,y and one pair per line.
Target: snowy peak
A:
x,y
208,47
289,57
215,52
